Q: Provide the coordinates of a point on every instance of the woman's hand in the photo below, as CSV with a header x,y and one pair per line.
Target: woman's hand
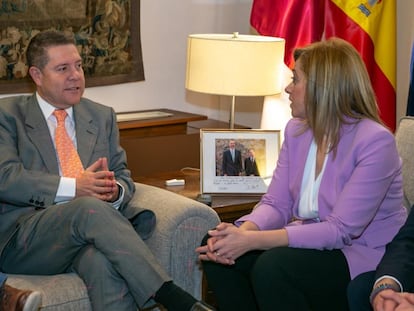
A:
x,y
389,300
226,244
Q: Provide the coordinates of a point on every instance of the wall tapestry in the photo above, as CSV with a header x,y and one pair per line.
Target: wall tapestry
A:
x,y
107,35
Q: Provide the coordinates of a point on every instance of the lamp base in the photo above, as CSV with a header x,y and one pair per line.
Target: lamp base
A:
x,y
233,104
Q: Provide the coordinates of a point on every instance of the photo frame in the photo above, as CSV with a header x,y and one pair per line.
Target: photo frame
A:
x,y
226,173
107,35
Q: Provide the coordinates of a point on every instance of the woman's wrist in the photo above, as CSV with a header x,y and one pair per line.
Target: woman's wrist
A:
x,y
383,285
249,225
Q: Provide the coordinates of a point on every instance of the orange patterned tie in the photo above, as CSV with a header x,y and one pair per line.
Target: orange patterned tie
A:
x,y
70,162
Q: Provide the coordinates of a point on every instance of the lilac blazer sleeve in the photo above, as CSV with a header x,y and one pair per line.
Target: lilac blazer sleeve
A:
x,y
360,196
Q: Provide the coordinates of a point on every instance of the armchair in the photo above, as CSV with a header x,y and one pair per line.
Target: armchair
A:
x,y
181,224
405,144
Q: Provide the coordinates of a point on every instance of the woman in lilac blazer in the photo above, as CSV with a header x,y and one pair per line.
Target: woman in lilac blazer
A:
x,y
334,202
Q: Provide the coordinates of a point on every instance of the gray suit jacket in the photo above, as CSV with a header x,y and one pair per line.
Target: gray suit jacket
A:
x,y
29,173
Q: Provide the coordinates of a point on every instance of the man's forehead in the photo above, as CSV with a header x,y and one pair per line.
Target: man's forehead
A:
x,y
63,54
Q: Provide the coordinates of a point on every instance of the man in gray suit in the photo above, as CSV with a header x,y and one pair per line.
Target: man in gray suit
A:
x,y
232,161
50,223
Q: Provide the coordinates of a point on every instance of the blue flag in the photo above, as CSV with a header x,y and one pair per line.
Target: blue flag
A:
x,y
410,102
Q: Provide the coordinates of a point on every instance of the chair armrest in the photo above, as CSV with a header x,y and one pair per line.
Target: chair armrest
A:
x,y
181,225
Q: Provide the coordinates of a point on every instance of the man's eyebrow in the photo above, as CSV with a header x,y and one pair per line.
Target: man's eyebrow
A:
x,y
61,65
67,64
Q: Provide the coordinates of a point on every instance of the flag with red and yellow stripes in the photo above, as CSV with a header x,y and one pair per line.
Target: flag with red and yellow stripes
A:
x,y
300,22
370,26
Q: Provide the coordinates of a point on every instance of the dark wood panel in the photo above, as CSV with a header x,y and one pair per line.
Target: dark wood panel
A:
x,y
164,144
160,144
160,130
156,154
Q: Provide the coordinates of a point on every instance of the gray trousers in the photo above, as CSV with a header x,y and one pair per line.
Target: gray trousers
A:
x,y
91,238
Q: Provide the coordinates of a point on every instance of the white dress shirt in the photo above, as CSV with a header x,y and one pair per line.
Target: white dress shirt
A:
x,y
308,204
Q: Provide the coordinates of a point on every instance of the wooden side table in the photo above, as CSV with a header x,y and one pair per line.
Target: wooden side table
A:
x,y
165,143
147,142
175,123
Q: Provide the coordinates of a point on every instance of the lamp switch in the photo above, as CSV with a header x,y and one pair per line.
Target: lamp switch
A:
x,y
175,182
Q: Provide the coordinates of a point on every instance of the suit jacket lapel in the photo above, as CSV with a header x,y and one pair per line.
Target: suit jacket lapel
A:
x,y
38,133
86,133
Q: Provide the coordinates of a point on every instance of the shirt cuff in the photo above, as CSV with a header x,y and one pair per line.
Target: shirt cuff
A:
x,y
66,190
117,204
392,278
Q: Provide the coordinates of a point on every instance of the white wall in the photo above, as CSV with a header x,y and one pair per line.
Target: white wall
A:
x,y
165,25
405,39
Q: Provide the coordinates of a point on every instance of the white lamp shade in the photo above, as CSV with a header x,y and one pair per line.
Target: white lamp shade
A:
x,y
234,65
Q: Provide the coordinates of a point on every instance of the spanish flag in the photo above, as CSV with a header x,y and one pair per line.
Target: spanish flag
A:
x,y
370,26
300,22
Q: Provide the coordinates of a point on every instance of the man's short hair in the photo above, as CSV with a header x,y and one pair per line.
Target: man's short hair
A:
x,y
36,53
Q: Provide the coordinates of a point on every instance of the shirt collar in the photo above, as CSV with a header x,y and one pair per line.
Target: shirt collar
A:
x,y
47,109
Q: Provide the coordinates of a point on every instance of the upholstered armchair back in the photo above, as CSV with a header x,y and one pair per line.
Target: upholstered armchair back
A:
x,y
405,144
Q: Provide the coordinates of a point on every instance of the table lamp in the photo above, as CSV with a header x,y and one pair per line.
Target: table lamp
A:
x,y
234,65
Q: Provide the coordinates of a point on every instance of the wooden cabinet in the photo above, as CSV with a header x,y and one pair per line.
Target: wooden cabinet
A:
x,y
160,144
164,144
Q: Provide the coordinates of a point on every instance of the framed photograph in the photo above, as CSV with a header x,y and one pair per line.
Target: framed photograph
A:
x,y
237,161
107,34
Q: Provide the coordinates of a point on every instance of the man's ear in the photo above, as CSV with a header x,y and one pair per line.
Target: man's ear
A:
x,y
36,74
